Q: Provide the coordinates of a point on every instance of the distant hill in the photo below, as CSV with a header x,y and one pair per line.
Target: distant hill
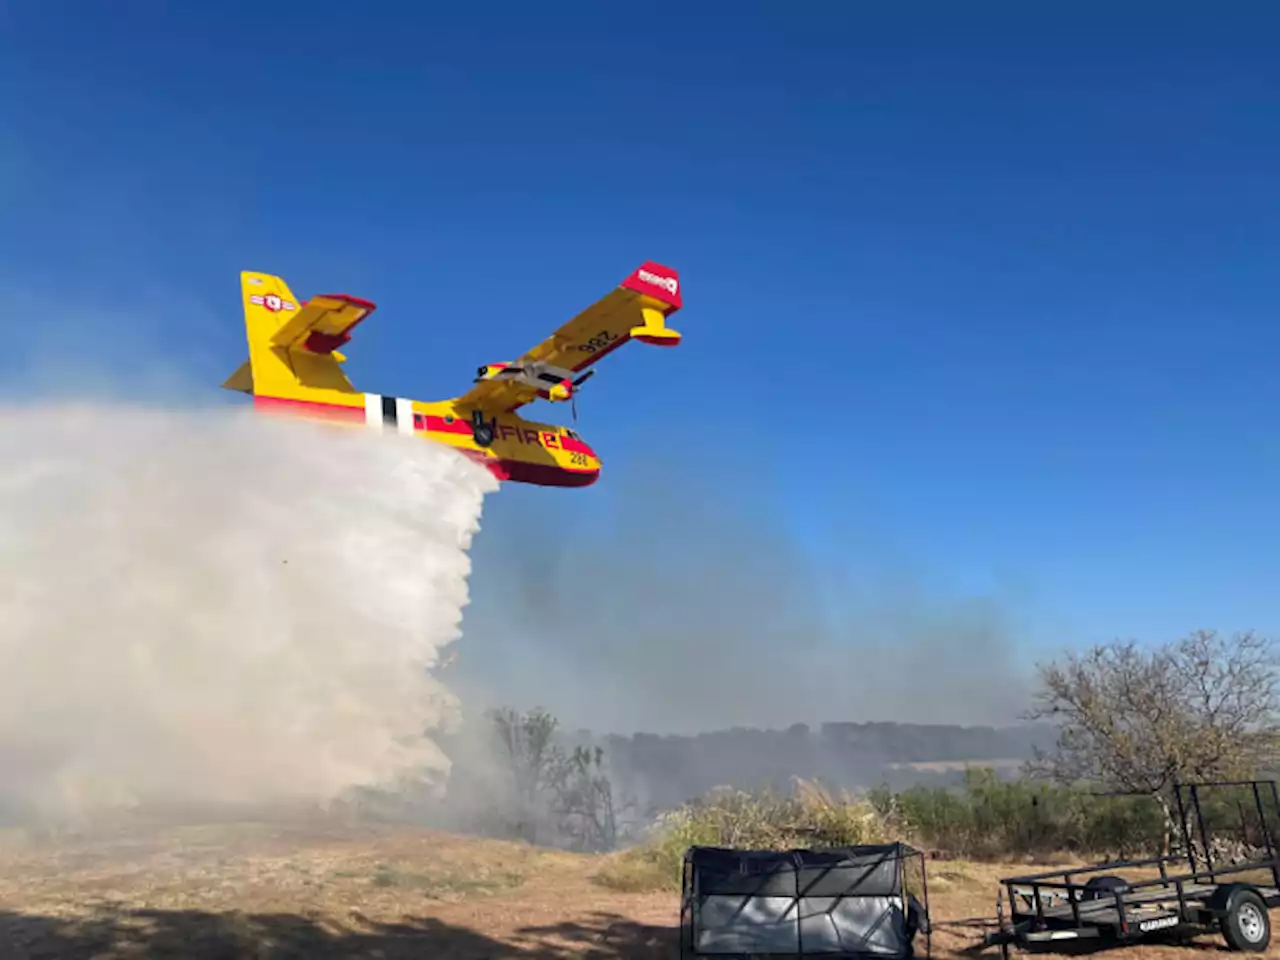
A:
x,y
665,770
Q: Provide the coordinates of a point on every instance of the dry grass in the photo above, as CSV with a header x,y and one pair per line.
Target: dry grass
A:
x,y
253,890
952,766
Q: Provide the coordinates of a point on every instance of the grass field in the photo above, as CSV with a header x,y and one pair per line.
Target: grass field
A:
x,y
253,890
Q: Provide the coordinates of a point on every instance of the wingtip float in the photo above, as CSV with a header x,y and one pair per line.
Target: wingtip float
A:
x,y
295,369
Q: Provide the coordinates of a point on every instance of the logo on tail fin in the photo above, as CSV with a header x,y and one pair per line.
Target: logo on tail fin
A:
x,y
656,281
669,284
272,302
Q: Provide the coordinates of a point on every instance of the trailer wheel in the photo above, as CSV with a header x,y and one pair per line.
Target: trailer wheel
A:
x,y
1096,888
1247,925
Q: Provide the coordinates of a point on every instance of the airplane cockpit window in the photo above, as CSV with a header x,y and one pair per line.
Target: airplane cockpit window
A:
x,y
571,435
550,377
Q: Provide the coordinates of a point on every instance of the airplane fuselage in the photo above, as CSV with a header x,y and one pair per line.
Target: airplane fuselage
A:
x,y
522,450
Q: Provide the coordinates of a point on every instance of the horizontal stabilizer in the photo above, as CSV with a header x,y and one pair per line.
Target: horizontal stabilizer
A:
x,y
324,324
241,380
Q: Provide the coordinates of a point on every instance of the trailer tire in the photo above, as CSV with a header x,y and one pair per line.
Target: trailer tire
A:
x,y
1247,925
1098,887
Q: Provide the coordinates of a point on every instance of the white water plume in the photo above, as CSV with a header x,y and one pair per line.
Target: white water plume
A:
x,y
211,607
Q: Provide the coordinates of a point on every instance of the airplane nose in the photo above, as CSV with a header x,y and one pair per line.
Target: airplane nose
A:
x,y
574,444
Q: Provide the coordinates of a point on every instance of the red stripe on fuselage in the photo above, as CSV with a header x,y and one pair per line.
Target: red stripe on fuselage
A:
x,y
520,430
440,425
309,408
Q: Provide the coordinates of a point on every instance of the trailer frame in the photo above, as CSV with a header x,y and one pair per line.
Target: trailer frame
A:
x,y
1090,902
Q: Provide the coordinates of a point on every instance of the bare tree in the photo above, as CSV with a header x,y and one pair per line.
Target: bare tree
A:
x,y
585,800
533,760
569,794
1138,720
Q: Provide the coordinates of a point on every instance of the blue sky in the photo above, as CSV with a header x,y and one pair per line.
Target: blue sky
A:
x,y
983,291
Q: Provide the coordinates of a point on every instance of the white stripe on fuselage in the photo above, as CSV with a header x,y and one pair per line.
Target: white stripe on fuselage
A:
x,y
404,415
373,410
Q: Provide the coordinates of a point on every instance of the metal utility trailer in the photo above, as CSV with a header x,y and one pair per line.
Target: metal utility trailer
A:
x,y
1191,894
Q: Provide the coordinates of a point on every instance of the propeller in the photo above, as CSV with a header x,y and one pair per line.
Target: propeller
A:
x,y
573,396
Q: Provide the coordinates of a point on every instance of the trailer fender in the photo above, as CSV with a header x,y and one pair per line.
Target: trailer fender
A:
x,y
1221,900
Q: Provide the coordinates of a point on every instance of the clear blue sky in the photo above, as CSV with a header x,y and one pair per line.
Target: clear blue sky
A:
x,y
991,291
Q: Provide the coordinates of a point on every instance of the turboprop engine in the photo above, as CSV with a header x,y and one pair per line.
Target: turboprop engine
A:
x,y
555,383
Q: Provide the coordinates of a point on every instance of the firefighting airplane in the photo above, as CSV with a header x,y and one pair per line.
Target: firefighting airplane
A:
x,y
294,368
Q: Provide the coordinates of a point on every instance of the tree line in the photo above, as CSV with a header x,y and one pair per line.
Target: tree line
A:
x,y
1130,721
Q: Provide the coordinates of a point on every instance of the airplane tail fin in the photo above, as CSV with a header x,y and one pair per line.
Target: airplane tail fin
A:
x,y
268,304
293,346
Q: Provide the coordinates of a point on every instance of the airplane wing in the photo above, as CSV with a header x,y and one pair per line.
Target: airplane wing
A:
x,y
634,310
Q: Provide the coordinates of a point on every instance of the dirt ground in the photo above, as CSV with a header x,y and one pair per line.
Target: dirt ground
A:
x,y
314,891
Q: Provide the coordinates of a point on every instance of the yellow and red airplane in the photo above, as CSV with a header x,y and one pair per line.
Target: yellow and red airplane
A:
x,y
294,368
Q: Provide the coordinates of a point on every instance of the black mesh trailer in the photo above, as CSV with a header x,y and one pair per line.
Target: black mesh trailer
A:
x,y
844,902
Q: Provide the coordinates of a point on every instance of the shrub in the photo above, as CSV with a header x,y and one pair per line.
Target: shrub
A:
x,y
986,819
810,817
992,819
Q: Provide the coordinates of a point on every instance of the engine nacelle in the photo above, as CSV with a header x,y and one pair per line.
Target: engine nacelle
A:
x,y
554,383
490,370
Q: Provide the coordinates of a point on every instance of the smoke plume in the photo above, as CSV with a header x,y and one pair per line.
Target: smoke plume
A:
x,y
678,606
208,607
